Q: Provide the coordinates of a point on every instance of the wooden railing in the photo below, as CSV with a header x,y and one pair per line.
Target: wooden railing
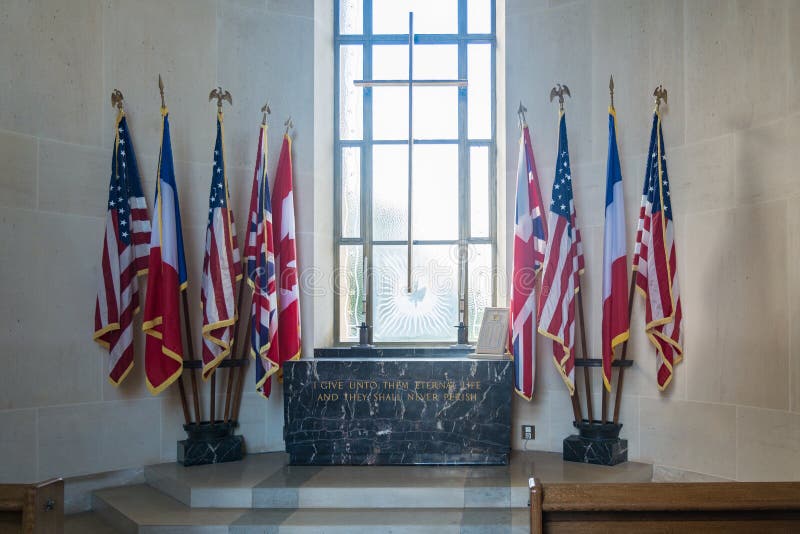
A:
x,y
734,507
32,508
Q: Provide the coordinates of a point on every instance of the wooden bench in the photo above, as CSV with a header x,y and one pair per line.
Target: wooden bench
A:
x,y
32,508
734,507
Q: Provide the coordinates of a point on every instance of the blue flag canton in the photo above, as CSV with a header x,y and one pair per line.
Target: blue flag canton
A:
x,y
120,189
561,202
657,187
218,197
613,171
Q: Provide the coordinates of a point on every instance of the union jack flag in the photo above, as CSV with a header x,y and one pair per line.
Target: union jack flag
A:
x,y
563,265
655,261
260,255
530,239
125,250
221,266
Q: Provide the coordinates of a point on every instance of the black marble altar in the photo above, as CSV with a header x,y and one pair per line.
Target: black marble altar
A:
x,y
596,443
397,406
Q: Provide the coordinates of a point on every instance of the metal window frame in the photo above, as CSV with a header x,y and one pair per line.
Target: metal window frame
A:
x,y
366,39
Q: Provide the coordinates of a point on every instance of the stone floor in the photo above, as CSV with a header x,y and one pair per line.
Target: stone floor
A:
x,y
264,494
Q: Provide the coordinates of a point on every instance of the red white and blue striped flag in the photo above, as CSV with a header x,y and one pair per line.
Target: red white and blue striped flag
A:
x,y
615,257
259,253
655,261
530,239
167,278
563,265
222,266
125,246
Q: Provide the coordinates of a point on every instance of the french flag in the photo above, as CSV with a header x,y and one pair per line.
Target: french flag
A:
x,y
163,360
615,274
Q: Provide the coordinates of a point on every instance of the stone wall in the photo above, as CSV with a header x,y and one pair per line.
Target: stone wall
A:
x,y
732,70
60,60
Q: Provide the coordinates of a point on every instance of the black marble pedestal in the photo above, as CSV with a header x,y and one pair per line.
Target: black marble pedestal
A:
x,y
397,406
210,444
596,443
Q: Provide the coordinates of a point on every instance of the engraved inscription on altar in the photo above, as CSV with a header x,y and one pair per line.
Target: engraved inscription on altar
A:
x,y
396,390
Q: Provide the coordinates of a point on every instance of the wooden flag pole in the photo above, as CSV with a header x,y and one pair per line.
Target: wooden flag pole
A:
x,y
221,95
604,408
624,352
237,398
232,370
190,345
587,381
659,94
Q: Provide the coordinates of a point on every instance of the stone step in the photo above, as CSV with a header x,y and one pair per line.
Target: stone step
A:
x,y
267,481
142,509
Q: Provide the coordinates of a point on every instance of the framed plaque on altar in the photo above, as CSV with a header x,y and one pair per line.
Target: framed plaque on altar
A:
x,y
493,334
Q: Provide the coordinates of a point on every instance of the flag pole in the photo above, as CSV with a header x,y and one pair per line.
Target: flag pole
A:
x,y
190,345
242,354
187,328
587,379
624,353
604,392
559,91
221,95
659,94
232,370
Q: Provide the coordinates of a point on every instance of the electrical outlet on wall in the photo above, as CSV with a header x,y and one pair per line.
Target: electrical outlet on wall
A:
x,y
528,432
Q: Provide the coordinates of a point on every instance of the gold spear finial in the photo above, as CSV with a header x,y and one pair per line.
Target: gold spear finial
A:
x,y
220,94
161,90
117,100
289,124
266,111
559,91
521,110
660,95
611,90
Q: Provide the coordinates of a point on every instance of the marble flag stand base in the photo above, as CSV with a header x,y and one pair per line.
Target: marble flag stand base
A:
x,y
209,443
596,443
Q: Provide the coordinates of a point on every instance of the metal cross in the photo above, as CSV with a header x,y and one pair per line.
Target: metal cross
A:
x,y
410,83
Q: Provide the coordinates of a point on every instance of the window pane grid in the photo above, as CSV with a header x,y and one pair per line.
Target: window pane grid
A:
x,y
372,198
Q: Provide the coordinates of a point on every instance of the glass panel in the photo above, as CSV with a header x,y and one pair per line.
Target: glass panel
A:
x,y
429,312
351,98
351,16
435,112
351,192
479,16
430,16
390,113
390,62
351,291
390,192
479,191
435,62
435,192
480,286
479,92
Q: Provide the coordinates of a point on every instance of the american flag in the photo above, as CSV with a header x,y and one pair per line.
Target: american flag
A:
x,y
655,261
221,266
563,265
286,344
125,249
530,239
260,255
